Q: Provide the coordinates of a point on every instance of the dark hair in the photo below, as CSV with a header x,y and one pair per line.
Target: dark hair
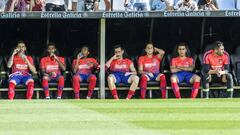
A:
x,y
19,42
51,44
125,55
144,52
175,51
78,50
217,44
45,52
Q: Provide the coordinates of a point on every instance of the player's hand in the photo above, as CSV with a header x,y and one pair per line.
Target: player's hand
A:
x,y
23,56
46,74
218,72
128,73
222,72
55,57
115,57
79,56
51,54
53,74
15,51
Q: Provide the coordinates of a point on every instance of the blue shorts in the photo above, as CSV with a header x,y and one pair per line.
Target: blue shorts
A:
x,y
155,75
184,76
20,79
84,77
121,78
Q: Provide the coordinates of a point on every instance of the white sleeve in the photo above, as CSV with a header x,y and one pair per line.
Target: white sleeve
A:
x,y
195,5
171,2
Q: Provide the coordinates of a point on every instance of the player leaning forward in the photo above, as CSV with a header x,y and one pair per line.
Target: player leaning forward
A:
x,y
216,68
21,65
51,66
122,71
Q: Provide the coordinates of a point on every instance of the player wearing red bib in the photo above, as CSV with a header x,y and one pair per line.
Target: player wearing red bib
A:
x,y
83,68
122,71
182,66
51,66
21,66
149,68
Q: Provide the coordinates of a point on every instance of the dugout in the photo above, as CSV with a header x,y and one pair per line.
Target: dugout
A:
x,y
101,33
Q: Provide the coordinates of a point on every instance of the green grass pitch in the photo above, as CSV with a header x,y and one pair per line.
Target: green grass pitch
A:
x,y
109,117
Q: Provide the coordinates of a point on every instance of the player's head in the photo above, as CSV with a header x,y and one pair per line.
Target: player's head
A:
x,y
51,48
119,51
208,1
186,1
149,49
218,48
85,51
182,50
21,46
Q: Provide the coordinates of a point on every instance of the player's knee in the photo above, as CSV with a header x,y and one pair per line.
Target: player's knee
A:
x,y
162,77
144,77
30,80
92,78
45,78
76,78
197,78
135,79
61,78
173,78
229,76
13,81
110,79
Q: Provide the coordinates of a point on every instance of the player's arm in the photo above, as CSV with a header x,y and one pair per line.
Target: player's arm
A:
x,y
75,65
110,61
10,60
226,67
160,52
43,72
133,69
190,68
173,67
30,64
207,69
43,68
140,67
61,64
